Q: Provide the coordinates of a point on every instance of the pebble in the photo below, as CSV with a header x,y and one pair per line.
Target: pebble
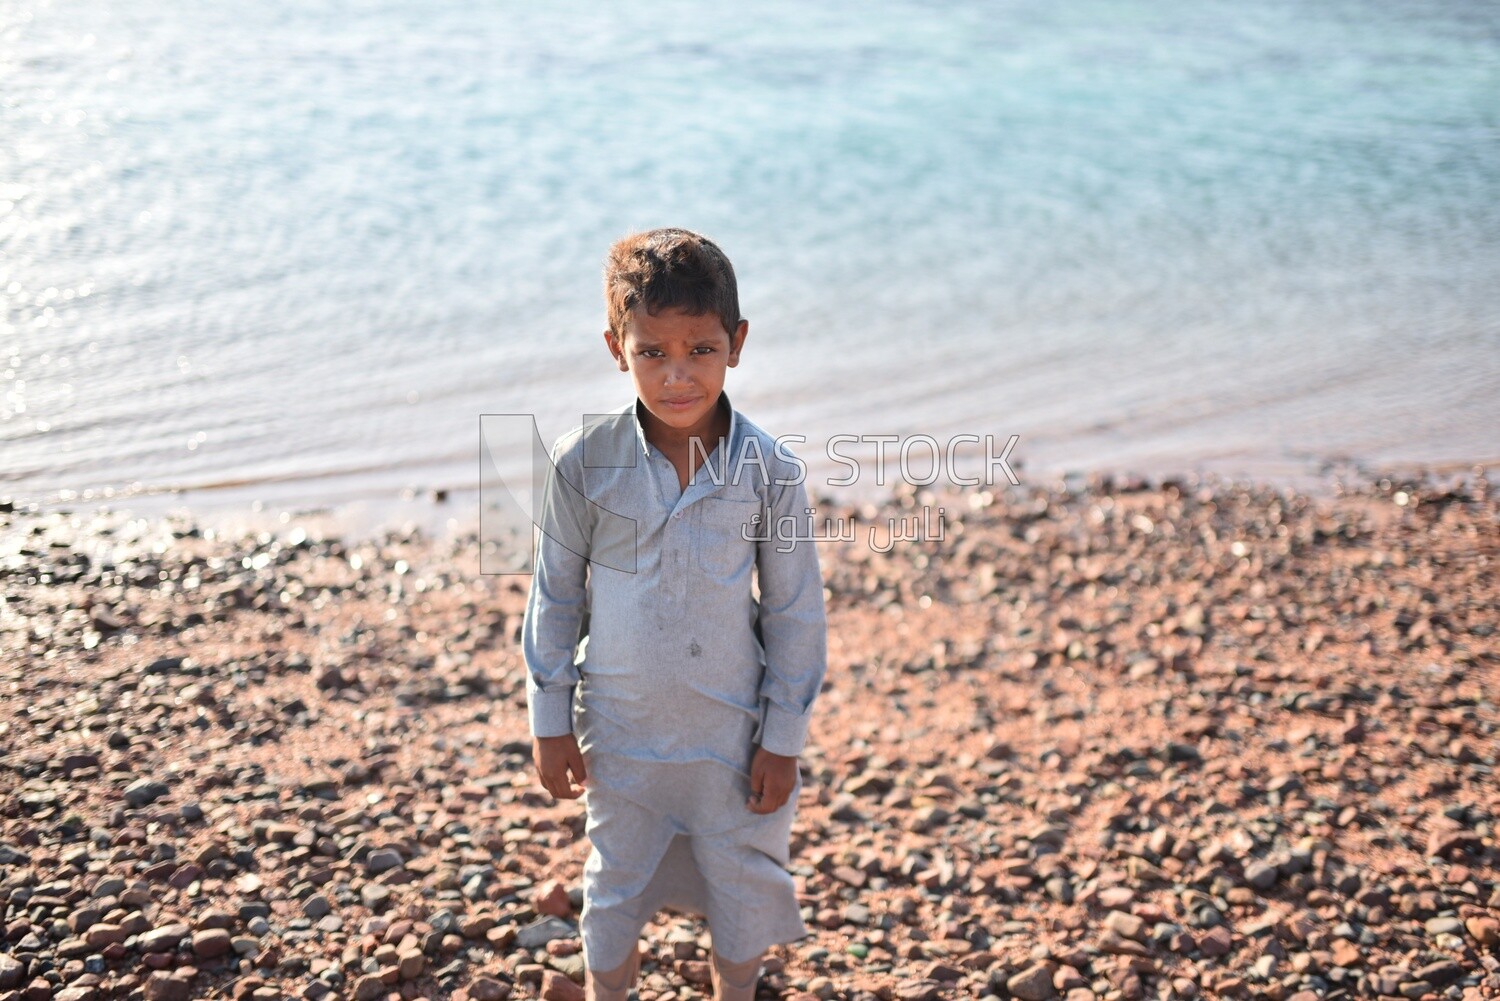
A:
x,y
144,792
551,898
211,943
1032,984
1126,925
556,987
1484,930
488,989
375,896
162,986
411,963
1444,926
1215,942
12,971
1261,875
1117,695
543,930
163,939
369,987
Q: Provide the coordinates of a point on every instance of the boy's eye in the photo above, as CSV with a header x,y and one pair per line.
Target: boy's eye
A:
x,y
657,352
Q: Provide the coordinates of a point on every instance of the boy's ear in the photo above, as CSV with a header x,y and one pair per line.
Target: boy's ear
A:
x,y
616,349
737,342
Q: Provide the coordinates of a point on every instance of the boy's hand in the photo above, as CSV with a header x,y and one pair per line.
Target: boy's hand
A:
x,y
772,778
555,757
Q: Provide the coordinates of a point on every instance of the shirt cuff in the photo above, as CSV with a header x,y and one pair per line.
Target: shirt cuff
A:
x,y
551,712
783,732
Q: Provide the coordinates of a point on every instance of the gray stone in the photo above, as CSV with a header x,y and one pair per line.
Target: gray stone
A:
x,y
109,886
376,897
1444,926
144,792
569,966
543,930
1261,875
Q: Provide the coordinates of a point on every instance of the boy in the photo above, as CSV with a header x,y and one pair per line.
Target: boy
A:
x,y
692,697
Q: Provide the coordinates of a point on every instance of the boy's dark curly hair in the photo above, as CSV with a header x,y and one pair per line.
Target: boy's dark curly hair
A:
x,y
669,268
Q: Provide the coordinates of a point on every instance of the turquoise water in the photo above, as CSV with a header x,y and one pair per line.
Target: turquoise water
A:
x,y
269,251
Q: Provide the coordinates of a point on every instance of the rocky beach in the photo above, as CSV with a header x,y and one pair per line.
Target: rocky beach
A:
x,y
1116,740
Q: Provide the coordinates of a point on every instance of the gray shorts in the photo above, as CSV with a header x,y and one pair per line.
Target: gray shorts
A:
x,y
642,861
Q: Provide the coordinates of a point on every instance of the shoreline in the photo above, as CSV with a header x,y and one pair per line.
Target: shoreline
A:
x,y
1097,744
444,512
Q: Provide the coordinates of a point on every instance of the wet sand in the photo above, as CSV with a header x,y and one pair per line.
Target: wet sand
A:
x,y
1120,740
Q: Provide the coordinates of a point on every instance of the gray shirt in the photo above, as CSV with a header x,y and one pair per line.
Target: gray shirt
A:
x,y
643,603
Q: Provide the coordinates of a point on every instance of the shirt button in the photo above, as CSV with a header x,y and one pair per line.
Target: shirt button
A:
x,y
677,514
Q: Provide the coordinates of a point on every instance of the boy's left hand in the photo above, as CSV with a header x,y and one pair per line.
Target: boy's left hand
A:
x,y
772,778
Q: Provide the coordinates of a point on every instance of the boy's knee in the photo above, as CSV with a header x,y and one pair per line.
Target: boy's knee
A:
x,y
609,887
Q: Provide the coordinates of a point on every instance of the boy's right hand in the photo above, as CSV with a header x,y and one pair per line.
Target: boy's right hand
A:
x,y
555,758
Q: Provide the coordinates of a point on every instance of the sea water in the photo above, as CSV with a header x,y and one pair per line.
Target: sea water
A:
x,y
291,252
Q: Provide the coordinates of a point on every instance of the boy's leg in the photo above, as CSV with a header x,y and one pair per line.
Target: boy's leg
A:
x,y
734,981
613,985
628,844
752,899
753,902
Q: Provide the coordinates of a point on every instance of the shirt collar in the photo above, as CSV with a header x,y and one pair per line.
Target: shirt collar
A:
x,y
734,420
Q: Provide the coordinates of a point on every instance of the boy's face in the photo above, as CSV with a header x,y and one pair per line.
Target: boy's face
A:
x,y
677,361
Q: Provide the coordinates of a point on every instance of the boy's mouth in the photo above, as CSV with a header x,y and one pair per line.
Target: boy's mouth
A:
x,y
681,403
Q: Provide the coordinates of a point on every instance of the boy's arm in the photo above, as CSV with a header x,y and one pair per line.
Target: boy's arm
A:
x,y
794,628
556,608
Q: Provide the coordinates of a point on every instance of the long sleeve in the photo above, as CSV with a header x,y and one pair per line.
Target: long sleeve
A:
x,y
557,606
793,623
